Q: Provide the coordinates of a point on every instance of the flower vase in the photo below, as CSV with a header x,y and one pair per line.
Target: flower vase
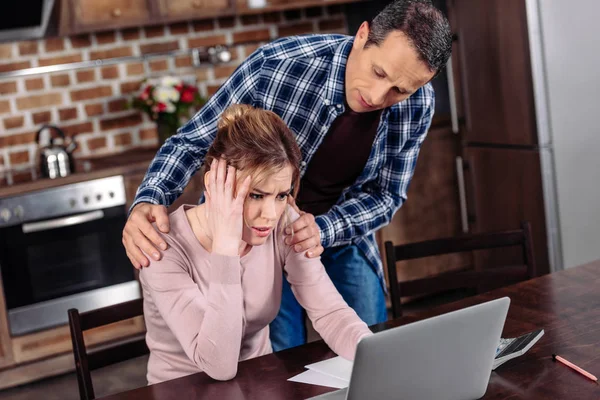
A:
x,y
165,130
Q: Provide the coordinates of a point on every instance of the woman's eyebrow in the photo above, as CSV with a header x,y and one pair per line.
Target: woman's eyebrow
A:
x,y
268,193
260,191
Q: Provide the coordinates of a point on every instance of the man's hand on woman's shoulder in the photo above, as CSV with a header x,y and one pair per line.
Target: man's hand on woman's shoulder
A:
x,y
306,233
139,236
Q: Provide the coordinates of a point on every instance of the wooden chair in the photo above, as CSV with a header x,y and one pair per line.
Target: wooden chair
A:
x,y
106,355
474,279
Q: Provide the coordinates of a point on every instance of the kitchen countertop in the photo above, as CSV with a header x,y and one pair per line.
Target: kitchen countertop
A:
x,y
128,162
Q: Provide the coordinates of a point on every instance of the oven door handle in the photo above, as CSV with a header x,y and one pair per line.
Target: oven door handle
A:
x,y
63,222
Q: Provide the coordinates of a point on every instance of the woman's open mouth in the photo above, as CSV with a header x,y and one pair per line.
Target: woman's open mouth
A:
x,y
262,231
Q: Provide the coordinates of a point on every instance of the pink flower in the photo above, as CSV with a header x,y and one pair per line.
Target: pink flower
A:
x,y
145,93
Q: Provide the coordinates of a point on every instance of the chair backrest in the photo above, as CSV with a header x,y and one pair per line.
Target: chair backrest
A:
x,y
104,355
496,276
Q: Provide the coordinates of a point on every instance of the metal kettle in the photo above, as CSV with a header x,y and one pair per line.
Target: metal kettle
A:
x,y
55,160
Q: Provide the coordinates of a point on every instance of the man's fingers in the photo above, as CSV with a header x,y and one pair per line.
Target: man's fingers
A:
x,y
307,244
300,235
315,252
134,262
144,239
159,214
137,258
139,225
151,236
306,235
142,260
138,233
305,220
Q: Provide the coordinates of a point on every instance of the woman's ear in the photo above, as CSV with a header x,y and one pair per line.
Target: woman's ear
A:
x,y
206,176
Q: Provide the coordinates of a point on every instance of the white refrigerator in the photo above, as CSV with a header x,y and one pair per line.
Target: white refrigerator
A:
x,y
564,40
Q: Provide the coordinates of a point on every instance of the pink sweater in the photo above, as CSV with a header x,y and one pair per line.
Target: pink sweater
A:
x,y
206,312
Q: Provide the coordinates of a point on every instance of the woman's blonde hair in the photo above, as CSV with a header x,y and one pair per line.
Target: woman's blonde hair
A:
x,y
257,143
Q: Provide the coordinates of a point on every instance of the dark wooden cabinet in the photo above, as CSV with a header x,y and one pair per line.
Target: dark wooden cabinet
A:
x,y
504,187
494,75
496,141
498,132
432,209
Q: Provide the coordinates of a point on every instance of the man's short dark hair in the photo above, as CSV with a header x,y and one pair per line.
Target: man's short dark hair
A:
x,y
425,26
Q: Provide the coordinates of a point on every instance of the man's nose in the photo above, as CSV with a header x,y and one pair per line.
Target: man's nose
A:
x,y
378,95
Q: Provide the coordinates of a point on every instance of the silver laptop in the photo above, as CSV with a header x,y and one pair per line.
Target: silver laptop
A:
x,y
446,357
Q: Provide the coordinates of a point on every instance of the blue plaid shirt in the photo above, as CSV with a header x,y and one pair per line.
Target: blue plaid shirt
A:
x,y
301,79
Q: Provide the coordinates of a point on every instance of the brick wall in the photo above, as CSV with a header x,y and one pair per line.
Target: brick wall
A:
x,y
89,104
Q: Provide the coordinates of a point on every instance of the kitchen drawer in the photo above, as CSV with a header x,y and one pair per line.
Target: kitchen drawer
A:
x,y
108,13
193,8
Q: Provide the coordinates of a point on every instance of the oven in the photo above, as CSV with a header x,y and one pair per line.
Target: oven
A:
x,y
61,248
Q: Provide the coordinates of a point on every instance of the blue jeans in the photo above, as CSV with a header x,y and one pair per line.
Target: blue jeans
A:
x,y
354,278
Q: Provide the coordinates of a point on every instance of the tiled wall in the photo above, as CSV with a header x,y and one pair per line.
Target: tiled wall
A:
x,y
89,104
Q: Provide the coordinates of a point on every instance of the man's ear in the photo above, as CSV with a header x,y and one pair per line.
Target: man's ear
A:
x,y
362,35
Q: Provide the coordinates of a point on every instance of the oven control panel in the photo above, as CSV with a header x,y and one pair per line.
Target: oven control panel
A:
x,y
64,200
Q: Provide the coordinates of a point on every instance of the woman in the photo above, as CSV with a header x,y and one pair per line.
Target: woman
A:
x,y
208,302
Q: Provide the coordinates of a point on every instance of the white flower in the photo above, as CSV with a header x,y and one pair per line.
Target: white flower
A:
x,y
166,94
170,107
170,81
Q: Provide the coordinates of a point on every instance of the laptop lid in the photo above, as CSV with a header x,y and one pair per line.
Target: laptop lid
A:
x,y
446,357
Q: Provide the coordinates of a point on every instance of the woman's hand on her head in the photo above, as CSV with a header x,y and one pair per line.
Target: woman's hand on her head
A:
x,y
224,211
139,234
307,234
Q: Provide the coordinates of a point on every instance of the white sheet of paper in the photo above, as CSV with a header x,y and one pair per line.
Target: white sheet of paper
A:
x,y
336,367
316,378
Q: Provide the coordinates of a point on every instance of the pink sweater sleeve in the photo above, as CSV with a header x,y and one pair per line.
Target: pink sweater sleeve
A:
x,y
335,321
207,325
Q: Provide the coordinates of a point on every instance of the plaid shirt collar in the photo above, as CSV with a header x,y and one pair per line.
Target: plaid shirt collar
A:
x,y
334,92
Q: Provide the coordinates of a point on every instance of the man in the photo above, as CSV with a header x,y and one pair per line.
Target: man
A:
x,y
360,108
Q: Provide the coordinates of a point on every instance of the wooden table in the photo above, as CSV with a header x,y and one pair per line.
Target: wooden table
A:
x,y
566,304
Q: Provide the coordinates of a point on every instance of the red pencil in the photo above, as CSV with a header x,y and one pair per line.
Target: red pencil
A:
x,y
575,367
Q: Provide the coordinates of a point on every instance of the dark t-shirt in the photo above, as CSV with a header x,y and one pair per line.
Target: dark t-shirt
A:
x,y
338,161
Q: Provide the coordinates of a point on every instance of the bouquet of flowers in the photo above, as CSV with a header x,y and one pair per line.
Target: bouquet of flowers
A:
x,y
168,102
